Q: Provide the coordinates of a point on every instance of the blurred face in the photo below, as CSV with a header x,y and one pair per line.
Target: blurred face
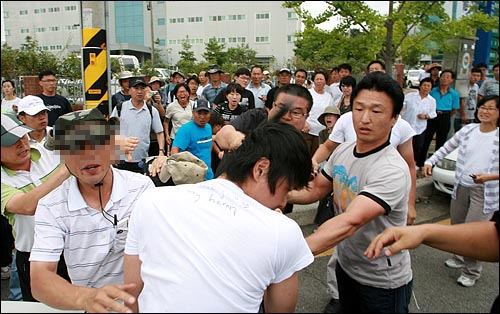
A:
x,y
48,84
91,164
243,80
284,78
347,90
256,76
300,78
297,113
233,98
487,113
201,117
17,155
474,77
425,88
372,119
38,122
376,67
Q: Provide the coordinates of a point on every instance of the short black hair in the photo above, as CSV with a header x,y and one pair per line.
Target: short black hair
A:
x,y
481,65
448,71
45,73
374,62
11,82
282,145
242,71
345,66
484,100
347,81
176,88
476,70
381,82
193,78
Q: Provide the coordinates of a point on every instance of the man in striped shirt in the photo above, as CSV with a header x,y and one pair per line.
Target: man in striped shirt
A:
x,y
87,216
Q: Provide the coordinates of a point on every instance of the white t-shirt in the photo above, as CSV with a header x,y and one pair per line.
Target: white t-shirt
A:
x,y
343,131
209,247
335,92
7,104
415,105
320,102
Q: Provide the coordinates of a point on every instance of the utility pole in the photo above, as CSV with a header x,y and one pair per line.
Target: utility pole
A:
x,y
150,8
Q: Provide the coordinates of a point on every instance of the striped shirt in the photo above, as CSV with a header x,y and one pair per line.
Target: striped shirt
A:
x,y
461,140
93,246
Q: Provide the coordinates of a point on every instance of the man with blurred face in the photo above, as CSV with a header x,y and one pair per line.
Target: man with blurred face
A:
x,y
87,216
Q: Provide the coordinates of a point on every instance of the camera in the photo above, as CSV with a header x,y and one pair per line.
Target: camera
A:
x,y
154,93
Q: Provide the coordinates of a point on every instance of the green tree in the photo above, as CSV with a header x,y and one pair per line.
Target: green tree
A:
x,y
214,53
239,56
187,62
70,67
409,25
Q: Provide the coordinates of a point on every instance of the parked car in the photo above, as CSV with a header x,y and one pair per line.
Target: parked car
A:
x,y
412,78
443,174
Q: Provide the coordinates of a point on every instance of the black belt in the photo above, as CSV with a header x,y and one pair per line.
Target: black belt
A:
x,y
442,112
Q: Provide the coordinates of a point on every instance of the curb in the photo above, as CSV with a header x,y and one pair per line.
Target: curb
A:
x,y
304,214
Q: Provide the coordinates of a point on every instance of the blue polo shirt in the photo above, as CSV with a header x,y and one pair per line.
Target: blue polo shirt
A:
x,y
446,102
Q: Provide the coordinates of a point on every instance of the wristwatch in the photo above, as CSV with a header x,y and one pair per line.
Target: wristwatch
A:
x,y
162,150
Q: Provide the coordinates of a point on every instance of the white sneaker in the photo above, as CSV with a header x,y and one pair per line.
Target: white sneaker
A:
x,y
465,281
452,263
5,272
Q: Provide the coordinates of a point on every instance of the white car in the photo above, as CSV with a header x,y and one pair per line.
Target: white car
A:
x,y
412,78
443,174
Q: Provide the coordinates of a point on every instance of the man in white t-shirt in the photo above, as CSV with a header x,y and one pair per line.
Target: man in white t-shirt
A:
x,y
219,245
87,217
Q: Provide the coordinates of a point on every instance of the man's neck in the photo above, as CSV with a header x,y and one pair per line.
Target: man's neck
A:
x,y
444,89
49,94
137,103
38,135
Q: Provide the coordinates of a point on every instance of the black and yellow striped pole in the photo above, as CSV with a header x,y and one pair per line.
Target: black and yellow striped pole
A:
x,y
95,69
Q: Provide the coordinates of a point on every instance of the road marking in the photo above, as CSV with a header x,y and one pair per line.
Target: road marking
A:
x,y
330,251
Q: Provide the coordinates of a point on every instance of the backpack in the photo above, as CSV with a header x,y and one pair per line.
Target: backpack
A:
x,y
119,109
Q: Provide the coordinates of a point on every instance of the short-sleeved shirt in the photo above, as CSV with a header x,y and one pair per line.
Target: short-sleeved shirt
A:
x,y
383,176
489,87
211,92
198,141
247,99
138,123
447,102
178,115
57,105
43,165
262,90
215,239
227,113
415,105
8,104
93,246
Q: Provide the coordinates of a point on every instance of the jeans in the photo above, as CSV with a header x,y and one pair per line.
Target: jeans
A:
x,y
15,293
358,298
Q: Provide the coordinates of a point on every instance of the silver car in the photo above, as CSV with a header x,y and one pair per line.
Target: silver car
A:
x,y
412,78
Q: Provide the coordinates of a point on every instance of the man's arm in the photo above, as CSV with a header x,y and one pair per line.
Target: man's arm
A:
x,y
132,274
25,203
323,153
406,151
477,240
229,138
282,297
359,212
48,287
317,189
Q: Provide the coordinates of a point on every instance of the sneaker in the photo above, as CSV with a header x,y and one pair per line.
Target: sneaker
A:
x,y
465,281
5,272
452,263
333,307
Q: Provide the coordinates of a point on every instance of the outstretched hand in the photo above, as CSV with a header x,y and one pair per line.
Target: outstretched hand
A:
x,y
107,299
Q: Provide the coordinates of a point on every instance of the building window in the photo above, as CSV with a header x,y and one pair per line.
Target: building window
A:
x,y
7,32
40,29
22,12
161,42
25,30
232,39
217,18
292,16
70,8
221,40
199,19
6,14
236,17
161,21
54,28
262,16
52,10
262,39
176,20
39,11
291,38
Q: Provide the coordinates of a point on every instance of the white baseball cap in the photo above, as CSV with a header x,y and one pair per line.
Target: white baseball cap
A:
x,y
31,105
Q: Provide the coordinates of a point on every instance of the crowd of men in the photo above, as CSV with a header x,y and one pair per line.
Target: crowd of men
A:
x,y
96,229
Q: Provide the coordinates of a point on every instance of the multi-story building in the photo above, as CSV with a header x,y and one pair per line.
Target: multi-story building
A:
x,y
132,26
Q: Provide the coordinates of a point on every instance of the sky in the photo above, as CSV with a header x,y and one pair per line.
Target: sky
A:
x,y
316,7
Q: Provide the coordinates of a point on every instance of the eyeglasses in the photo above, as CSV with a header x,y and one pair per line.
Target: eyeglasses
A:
x,y
49,81
295,113
487,108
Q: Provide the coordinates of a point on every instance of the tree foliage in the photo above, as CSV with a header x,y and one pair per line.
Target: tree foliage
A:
x,y
214,53
409,29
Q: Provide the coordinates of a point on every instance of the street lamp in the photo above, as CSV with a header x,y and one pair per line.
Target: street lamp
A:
x,y
150,9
